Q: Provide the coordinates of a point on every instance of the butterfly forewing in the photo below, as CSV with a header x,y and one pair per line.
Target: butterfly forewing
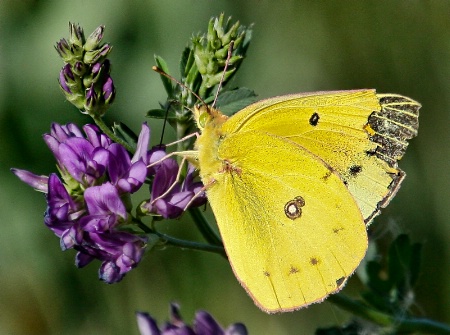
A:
x,y
359,134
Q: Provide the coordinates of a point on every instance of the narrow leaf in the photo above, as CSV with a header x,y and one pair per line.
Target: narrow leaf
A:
x,y
161,63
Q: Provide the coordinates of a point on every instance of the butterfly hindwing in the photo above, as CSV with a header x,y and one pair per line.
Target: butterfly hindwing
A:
x,y
291,229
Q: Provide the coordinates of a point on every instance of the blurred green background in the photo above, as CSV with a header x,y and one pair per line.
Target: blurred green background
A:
x,y
393,46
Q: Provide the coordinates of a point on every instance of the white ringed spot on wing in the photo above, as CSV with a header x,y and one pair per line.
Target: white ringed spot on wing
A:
x,y
293,208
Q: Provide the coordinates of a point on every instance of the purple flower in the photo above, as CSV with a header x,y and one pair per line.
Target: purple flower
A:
x,y
87,209
120,252
127,176
91,230
87,160
97,138
91,98
204,324
169,197
62,210
105,208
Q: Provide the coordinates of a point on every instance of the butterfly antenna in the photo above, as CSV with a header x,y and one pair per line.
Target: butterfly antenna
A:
x,y
227,62
161,72
166,116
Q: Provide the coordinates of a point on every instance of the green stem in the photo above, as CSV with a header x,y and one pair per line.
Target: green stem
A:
x,y
99,122
202,90
191,245
144,227
401,324
181,132
205,229
218,249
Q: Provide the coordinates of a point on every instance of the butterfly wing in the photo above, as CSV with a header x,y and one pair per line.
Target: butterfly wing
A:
x,y
292,231
360,134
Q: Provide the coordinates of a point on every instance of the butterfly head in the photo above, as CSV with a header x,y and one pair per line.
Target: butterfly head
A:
x,y
205,115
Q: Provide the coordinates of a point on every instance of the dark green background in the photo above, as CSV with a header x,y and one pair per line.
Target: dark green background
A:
x,y
393,46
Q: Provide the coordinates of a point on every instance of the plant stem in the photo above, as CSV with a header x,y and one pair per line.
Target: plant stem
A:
x,y
191,245
401,324
205,229
99,122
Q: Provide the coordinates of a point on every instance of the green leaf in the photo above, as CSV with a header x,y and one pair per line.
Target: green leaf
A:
x,y
229,102
399,260
416,262
390,286
193,76
125,133
375,283
161,63
186,62
350,329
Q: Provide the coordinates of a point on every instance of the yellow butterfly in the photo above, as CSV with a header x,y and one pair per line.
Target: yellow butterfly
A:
x,y
293,182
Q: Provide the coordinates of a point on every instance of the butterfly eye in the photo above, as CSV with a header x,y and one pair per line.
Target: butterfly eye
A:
x,y
203,118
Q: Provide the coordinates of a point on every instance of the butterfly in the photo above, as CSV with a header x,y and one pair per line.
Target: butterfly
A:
x,y
294,181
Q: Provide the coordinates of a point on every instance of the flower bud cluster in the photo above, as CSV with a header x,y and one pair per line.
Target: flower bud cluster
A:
x,y
85,78
211,50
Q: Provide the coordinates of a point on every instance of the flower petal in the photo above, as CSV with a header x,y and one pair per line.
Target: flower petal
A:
x,y
39,183
142,144
146,324
104,200
206,325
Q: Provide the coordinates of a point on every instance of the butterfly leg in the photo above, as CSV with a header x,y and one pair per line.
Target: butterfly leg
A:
x,y
177,179
199,193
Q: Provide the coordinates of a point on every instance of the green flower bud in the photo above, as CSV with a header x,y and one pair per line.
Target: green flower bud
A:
x,y
94,56
94,39
215,80
218,25
79,69
212,33
221,53
76,35
231,34
234,60
212,67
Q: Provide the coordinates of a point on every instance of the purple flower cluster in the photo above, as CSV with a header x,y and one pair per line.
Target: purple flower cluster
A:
x,y
89,208
204,324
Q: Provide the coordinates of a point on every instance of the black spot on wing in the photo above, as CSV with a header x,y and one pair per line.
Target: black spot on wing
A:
x,y
355,170
314,119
